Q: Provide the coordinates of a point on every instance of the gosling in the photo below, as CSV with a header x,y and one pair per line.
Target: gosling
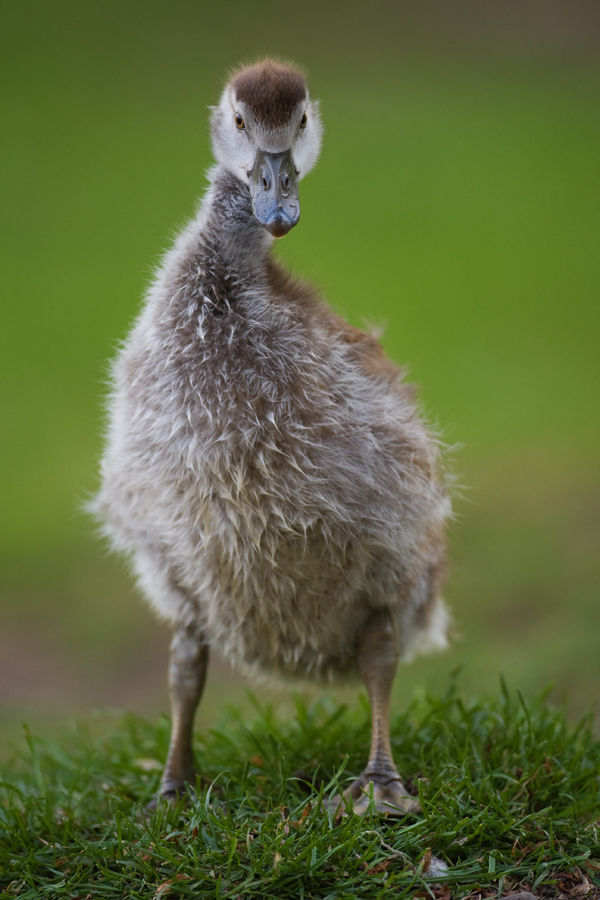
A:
x,y
266,469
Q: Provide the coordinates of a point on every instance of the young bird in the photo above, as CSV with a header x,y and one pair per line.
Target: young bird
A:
x,y
266,469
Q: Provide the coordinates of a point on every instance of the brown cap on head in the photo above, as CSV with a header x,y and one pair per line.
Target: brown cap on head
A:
x,y
270,90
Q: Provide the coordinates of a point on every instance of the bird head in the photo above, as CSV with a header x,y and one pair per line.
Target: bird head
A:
x,y
266,130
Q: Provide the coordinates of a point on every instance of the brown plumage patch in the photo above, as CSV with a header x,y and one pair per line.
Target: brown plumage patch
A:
x,y
270,91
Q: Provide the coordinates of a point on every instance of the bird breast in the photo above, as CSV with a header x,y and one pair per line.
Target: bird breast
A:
x,y
280,474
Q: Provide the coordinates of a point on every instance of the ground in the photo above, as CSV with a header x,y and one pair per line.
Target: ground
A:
x,y
509,792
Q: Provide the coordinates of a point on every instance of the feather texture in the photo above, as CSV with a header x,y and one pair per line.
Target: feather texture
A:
x,y
266,468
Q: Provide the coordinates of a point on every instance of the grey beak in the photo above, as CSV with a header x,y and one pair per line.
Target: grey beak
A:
x,y
274,191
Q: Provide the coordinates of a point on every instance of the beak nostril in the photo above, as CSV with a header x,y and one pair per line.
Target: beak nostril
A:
x,y
274,192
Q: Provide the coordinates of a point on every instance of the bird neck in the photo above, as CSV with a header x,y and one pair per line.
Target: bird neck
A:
x,y
232,227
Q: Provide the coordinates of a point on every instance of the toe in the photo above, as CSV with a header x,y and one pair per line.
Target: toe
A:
x,y
390,799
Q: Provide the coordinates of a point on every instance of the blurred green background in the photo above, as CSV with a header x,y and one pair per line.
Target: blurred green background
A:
x,y
456,200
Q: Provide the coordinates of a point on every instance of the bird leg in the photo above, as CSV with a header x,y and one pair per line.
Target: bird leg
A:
x,y
187,674
378,656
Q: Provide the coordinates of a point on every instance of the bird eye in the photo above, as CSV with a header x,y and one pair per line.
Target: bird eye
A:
x,y
303,121
239,122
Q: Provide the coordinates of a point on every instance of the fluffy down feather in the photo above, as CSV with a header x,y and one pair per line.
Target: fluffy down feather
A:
x,y
266,468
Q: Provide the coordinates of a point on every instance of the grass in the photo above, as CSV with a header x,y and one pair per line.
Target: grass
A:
x,y
510,796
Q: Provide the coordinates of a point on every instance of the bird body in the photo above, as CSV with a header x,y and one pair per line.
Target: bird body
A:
x,y
266,467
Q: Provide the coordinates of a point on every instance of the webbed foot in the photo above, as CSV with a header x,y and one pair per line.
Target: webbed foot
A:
x,y
390,797
173,791
172,794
